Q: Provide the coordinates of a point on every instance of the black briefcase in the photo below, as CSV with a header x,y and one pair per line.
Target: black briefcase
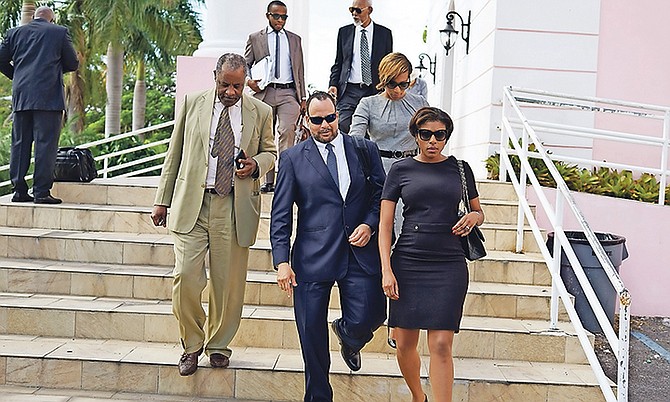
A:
x,y
74,164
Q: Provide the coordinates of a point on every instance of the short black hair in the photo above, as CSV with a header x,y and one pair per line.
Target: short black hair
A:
x,y
319,95
276,3
426,114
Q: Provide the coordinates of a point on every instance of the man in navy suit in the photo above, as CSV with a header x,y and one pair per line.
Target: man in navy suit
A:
x,y
360,48
336,241
34,57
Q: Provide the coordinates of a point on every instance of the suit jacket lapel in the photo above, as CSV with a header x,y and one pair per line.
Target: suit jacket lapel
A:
x,y
349,44
205,108
313,155
355,170
248,113
264,43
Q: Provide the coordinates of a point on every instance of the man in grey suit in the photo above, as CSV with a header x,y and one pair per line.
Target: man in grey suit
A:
x,y
285,89
34,57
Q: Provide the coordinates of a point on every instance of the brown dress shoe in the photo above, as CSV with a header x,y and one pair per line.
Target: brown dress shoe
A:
x,y
188,363
218,360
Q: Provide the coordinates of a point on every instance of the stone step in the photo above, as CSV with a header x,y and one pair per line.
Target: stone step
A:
x,y
14,393
140,191
156,248
263,326
270,374
150,282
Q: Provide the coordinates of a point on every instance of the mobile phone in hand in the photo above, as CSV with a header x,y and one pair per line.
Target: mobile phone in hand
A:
x,y
240,155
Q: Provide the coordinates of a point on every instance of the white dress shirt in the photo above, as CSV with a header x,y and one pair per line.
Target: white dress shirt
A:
x,y
356,74
342,166
285,70
235,113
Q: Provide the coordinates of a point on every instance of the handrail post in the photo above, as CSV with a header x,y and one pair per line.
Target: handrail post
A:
x,y
664,158
556,264
105,167
624,340
522,182
502,171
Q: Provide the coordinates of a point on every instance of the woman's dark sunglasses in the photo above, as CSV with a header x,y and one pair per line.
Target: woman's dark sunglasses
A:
x,y
440,135
318,120
278,16
401,85
356,10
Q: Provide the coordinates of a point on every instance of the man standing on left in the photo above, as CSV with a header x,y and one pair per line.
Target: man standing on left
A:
x,y
35,56
285,89
221,144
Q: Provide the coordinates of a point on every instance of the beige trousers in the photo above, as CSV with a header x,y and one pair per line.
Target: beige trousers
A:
x,y
286,110
214,232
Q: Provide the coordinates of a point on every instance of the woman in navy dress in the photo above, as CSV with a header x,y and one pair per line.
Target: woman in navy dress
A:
x,y
426,276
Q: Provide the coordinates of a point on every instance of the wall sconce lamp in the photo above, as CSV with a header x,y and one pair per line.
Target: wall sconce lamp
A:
x,y
432,64
449,35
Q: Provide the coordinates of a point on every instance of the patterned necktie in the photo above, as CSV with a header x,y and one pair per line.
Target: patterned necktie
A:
x,y
366,69
223,149
277,56
331,162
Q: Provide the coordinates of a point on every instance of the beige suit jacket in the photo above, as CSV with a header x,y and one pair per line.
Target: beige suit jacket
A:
x,y
257,48
182,182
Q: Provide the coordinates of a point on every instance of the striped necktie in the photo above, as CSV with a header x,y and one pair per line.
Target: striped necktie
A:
x,y
223,149
366,69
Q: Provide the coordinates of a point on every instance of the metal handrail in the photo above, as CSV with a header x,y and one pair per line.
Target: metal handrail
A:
x,y
511,143
105,158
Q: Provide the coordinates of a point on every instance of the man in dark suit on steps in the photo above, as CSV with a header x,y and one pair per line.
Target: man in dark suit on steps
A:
x,y
34,57
337,200
360,48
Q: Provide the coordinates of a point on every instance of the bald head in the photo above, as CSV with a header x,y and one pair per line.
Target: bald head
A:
x,y
44,13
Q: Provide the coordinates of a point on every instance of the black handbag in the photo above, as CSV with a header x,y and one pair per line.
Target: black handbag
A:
x,y
473,243
75,164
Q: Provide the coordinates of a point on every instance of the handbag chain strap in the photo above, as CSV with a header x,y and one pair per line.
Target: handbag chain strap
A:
x,y
464,188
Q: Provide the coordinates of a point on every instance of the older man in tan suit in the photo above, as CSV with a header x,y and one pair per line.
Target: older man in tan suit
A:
x,y
285,87
221,144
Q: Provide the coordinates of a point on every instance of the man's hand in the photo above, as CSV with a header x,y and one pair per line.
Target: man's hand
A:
x,y
303,106
250,166
361,235
333,91
159,215
286,278
253,84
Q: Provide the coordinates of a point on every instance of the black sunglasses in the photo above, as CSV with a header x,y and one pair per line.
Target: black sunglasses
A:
x,y
401,85
278,16
440,135
318,120
357,10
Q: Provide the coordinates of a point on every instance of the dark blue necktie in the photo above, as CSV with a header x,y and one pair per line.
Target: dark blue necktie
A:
x,y
331,162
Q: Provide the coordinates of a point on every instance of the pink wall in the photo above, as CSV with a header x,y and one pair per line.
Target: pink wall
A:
x,y
633,65
646,272
193,74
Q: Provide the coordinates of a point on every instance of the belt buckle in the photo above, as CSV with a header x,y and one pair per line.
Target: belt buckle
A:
x,y
397,154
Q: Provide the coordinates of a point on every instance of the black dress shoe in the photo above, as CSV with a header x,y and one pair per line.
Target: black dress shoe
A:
x,y
47,200
22,197
351,356
267,188
219,360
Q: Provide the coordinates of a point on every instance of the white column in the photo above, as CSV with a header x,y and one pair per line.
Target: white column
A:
x,y
228,24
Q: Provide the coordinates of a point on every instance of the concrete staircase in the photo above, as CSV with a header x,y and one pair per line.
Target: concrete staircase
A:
x,y
85,306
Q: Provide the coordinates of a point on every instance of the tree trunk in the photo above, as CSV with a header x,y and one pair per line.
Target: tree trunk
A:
x,y
114,88
140,99
27,12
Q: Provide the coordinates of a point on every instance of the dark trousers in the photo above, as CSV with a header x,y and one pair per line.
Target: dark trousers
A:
x,y
363,311
347,102
43,128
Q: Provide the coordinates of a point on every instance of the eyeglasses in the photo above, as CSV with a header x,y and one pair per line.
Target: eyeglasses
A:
x,y
401,85
318,120
357,10
278,16
440,135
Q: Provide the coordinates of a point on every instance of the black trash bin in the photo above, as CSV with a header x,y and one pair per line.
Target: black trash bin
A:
x,y
615,248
